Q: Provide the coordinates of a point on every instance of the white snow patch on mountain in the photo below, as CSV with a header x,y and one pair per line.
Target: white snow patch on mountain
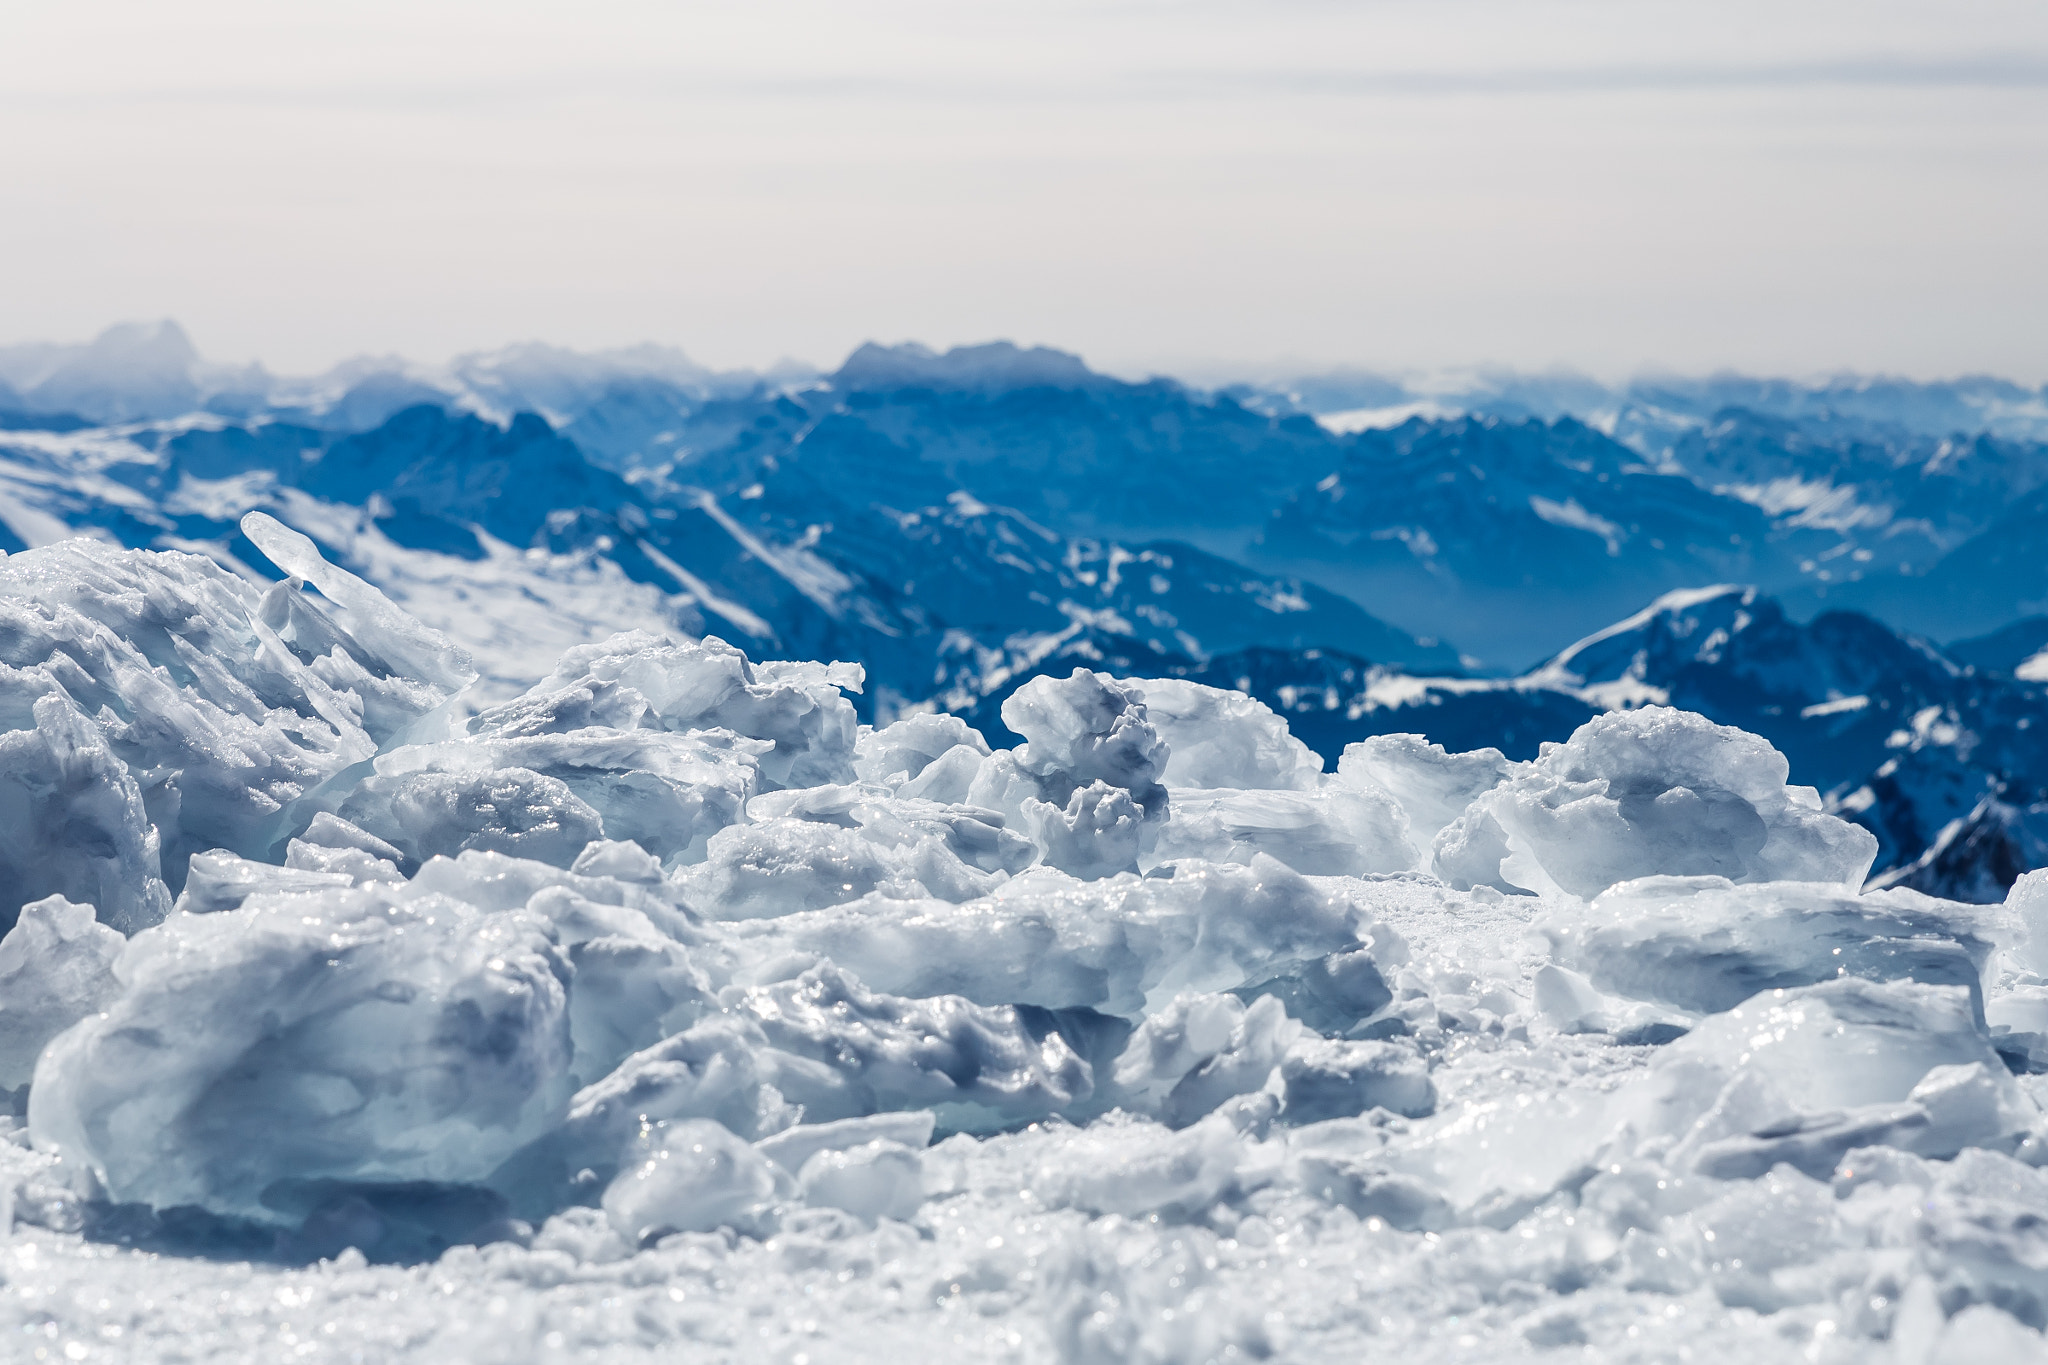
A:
x,y
1569,513
1355,420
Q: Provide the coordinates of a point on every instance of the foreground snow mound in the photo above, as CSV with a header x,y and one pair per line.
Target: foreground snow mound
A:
x,y
1634,793
155,706
637,681
359,1034
663,1011
56,967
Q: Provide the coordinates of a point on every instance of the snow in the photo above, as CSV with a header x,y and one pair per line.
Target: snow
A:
x,y
56,967
660,1010
1638,793
1353,420
1569,514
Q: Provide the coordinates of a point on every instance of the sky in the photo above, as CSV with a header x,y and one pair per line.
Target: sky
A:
x,y
1798,186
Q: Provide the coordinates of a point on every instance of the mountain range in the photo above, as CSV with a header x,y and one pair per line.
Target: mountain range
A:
x,y
1364,553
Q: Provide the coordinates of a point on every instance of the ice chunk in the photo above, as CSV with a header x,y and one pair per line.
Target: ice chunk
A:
x,y
822,1045
1334,831
1763,1237
1637,793
356,866
2018,1020
619,859
841,1050
1087,728
1954,1107
875,1180
2027,902
347,1035
638,681
1219,738
1135,1167
1433,786
1200,1050
1704,944
949,777
1572,1005
1097,835
1838,1044
831,804
709,1071
222,881
901,752
841,843
1335,993
1802,1076
783,866
1492,1157
669,793
426,809
229,704
976,837
1342,1162
56,967
1048,940
1322,1078
632,984
596,907
1569,1000
74,819
792,1147
1971,1105
356,855
1086,782
401,643
1974,1223
1002,786
547,796
700,1177
331,832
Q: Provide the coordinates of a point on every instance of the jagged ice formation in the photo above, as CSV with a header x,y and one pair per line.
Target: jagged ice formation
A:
x,y
664,1010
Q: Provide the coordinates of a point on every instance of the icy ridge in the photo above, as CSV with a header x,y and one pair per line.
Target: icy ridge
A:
x,y
652,987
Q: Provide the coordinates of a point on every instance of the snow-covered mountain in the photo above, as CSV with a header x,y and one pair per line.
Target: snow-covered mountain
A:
x,y
1653,411
960,522
1438,504
447,509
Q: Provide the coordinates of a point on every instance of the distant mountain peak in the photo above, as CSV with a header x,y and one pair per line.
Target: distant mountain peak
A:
x,y
131,371
1676,612
162,343
991,366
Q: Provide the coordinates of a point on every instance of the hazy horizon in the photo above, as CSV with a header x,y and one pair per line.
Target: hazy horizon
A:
x,y
1202,373
1158,186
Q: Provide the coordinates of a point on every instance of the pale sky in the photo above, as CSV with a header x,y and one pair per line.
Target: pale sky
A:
x,y
1168,184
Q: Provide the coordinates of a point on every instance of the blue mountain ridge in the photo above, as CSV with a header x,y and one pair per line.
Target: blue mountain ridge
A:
x,y
961,521
885,585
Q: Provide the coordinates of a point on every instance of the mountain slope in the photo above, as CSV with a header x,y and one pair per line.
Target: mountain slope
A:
x,y
1524,532
446,498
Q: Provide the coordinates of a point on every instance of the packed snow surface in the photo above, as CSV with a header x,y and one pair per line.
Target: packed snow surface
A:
x,y
663,1012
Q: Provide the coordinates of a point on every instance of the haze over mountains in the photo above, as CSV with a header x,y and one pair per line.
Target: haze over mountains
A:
x,y
1366,553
